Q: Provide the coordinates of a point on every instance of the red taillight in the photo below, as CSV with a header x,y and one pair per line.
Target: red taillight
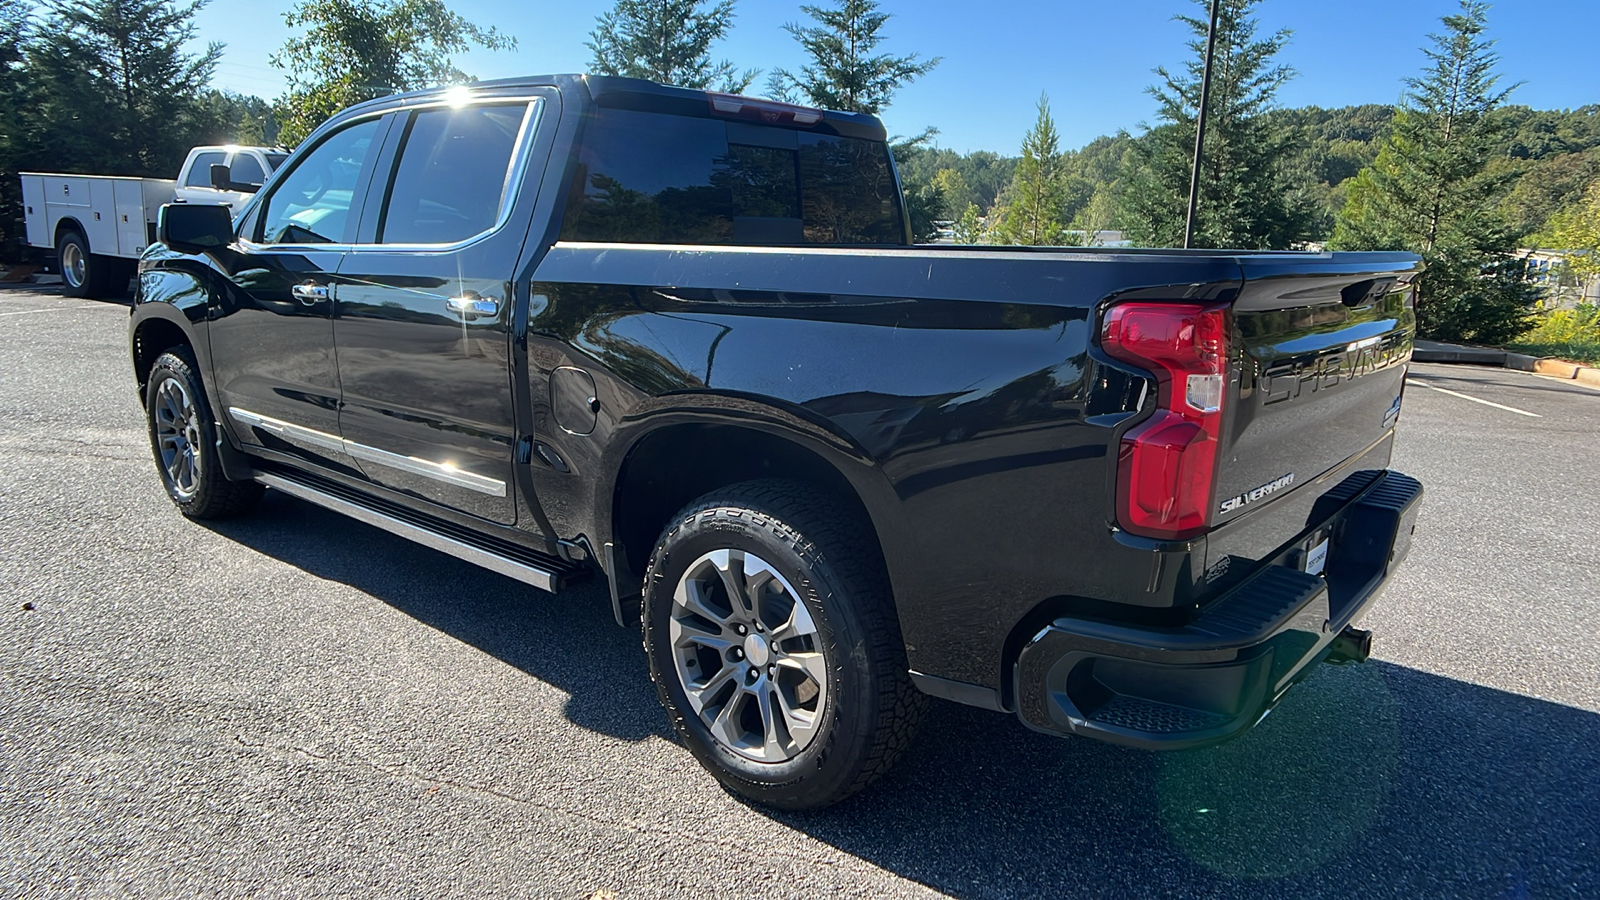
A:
x,y
1166,470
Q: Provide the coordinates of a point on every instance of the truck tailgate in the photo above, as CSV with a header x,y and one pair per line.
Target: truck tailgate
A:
x,y
1320,360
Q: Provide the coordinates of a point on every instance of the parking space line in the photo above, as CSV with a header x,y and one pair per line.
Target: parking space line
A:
x,y
29,312
1520,412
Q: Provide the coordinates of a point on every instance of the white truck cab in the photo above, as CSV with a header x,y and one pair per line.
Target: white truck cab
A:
x,y
97,225
246,165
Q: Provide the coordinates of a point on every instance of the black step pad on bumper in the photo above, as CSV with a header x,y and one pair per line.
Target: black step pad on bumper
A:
x,y
1169,688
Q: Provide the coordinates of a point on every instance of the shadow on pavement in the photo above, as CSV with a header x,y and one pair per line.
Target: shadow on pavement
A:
x,y
1372,781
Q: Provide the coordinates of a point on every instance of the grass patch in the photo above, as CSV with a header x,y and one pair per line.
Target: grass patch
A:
x,y
1572,334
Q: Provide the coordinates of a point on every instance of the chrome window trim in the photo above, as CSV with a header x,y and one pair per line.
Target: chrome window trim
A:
x,y
444,472
516,172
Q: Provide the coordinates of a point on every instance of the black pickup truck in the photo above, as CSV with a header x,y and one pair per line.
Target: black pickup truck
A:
x,y
576,326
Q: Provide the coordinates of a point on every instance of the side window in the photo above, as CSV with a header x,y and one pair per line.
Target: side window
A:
x,y
200,173
656,178
311,204
246,170
452,176
650,178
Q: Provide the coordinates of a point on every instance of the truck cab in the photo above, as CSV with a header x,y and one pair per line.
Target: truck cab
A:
x,y
246,166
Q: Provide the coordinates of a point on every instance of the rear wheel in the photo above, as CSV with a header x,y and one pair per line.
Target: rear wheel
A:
x,y
774,645
183,438
86,275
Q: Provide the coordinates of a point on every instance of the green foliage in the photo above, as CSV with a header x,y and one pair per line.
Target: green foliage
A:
x,y
351,52
1035,215
113,89
1572,334
844,73
1249,197
1431,191
925,199
969,227
14,32
984,174
668,41
229,118
1577,231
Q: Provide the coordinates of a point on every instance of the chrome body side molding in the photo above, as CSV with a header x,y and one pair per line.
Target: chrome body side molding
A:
x,y
438,471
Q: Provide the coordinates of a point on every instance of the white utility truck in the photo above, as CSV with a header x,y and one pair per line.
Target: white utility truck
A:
x,y
97,225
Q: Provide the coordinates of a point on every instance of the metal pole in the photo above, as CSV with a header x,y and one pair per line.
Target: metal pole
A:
x,y
1200,129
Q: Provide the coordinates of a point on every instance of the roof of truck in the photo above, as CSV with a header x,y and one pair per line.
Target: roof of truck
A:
x,y
638,93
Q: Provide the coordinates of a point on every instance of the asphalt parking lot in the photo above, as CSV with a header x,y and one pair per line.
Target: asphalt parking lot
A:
x,y
297,705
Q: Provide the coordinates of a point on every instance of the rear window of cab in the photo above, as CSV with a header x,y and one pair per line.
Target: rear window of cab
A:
x,y
655,178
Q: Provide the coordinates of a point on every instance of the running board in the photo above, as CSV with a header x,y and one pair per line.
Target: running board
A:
x,y
528,566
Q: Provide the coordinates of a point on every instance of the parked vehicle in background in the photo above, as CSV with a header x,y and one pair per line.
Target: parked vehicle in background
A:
x,y
577,326
248,168
97,225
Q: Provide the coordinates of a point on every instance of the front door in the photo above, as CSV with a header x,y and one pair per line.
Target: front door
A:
x,y
424,308
272,346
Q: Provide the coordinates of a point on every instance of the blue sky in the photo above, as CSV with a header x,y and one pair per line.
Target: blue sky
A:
x,y
1093,58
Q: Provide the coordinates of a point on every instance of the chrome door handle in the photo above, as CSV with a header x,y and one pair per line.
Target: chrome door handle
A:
x,y
472,306
310,294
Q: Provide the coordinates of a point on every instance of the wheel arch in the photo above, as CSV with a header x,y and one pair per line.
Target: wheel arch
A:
x,y
153,333
680,455
71,223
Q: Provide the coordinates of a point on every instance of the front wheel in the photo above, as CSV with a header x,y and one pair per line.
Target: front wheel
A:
x,y
774,645
183,437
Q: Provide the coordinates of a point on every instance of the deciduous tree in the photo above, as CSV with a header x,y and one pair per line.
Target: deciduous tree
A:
x,y
668,41
355,50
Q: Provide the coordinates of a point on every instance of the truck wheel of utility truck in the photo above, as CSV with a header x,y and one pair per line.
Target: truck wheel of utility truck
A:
x,y
774,644
84,274
183,438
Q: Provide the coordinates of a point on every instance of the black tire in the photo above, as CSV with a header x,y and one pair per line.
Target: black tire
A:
x,y
86,275
830,560
197,486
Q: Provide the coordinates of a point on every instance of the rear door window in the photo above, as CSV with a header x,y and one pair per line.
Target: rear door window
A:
x,y
656,178
451,181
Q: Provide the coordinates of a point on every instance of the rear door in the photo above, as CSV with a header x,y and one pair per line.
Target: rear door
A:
x,y
425,304
1324,344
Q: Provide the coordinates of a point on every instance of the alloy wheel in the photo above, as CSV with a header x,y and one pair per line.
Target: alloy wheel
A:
x,y
178,437
748,656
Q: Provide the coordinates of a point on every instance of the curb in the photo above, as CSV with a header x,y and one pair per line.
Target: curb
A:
x,y
1480,356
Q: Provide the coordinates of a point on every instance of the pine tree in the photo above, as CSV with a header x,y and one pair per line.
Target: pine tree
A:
x,y
1248,198
1431,191
1035,214
668,41
14,33
351,52
114,86
844,73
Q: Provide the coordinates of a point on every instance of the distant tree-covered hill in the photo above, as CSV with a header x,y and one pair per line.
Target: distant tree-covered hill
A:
x,y
1551,156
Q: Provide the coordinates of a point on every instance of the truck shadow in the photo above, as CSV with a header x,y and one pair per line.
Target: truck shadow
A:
x,y
1375,780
